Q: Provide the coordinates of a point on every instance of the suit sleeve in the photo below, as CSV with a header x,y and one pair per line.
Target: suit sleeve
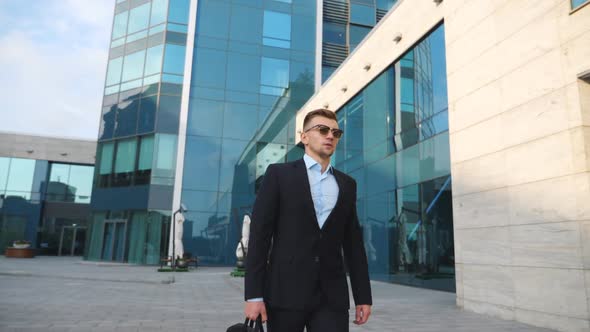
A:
x,y
354,251
264,216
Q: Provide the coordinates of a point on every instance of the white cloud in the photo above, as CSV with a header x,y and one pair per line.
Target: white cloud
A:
x,y
54,60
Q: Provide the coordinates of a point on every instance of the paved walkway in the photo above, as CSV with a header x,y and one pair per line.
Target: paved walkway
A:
x,y
68,294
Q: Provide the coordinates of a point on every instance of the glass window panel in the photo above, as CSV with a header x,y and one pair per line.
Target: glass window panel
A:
x,y
204,201
246,24
4,165
274,72
147,114
213,18
178,12
134,37
436,59
174,59
114,71
230,154
159,12
118,42
182,28
111,90
139,18
125,159
205,117
165,152
59,173
20,177
357,33
106,158
127,118
120,25
80,182
578,3
153,62
243,72
209,69
146,152
277,26
240,121
385,4
202,157
168,114
169,78
334,33
133,66
327,71
131,85
303,36
107,125
152,80
362,14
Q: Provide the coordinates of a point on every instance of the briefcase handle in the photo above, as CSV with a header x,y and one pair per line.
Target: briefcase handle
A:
x,y
256,325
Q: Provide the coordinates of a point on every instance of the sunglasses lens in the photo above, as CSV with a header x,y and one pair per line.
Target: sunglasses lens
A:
x,y
324,130
337,133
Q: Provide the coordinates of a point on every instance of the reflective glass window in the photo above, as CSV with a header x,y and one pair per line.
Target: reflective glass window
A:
x,y
125,159
362,14
385,4
114,71
133,66
242,72
139,18
240,120
106,158
334,33
578,3
178,11
274,74
80,182
168,114
4,165
147,114
205,117
202,157
174,59
126,118
357,33
246,24
58,182
165,161
277,29
213,18
231,151
146,151
120,25
209,69
205,201
20,177
159,12
153,61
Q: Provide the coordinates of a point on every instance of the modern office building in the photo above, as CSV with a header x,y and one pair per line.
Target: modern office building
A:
x,y
475,112
465,127
45,187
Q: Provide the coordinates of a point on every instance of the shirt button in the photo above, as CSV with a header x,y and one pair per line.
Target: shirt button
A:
x,y
317,259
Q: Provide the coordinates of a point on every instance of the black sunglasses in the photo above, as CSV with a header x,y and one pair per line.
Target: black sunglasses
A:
x,y
324,130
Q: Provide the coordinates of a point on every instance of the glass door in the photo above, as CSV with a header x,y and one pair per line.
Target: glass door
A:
x,y
72,240
115,233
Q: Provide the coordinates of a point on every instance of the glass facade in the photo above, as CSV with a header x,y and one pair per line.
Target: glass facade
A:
x,y
396,146
578,3
136,152
345,24
253,68
39,200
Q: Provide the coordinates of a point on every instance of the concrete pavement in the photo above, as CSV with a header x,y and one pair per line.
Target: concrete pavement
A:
x,y
68,294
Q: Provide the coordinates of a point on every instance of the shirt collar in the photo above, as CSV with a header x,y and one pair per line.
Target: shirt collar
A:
x,y
310,163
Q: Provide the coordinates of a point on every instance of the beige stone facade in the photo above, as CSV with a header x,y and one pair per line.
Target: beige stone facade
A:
x,y
519,124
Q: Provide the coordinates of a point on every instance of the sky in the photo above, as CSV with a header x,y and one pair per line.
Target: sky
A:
x,y
53,58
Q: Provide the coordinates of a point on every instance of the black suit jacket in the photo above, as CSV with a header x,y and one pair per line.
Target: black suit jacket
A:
x,y
303,256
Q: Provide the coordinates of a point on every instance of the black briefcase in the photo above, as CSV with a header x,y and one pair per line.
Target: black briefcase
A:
x,y
247,326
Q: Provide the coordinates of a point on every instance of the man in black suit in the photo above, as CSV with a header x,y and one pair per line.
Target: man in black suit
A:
x,y
307,210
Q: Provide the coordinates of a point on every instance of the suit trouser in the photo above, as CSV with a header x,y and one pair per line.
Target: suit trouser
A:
x,y
320,319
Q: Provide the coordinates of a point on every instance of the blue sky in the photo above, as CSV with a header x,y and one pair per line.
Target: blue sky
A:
x,y
53,57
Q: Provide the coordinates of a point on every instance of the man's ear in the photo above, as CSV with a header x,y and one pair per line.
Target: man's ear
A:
x,y
303,138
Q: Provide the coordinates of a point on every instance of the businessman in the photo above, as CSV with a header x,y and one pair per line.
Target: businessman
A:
x,y
304,224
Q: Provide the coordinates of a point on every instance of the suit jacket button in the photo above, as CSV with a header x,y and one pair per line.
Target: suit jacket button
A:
x,y
316,259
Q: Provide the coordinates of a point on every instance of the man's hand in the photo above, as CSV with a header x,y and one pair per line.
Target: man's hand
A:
x,y
363,312
254,309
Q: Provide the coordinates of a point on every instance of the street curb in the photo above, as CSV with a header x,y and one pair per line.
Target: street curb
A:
x,y
169,280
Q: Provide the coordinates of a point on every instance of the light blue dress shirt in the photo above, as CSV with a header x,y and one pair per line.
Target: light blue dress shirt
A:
x,y
323,187
324,192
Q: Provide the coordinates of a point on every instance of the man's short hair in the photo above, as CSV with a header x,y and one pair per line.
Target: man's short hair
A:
x,y
319,112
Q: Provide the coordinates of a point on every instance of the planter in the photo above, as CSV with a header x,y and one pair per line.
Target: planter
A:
x,y
21,246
